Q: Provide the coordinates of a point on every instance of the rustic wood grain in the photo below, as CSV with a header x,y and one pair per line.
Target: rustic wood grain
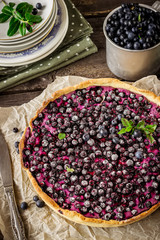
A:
x,y
16,99
102,7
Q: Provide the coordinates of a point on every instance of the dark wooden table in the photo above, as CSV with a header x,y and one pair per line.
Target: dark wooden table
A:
x,y
93,66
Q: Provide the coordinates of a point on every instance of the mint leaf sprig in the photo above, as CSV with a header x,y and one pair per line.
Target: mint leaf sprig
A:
x,y
70,169
139,17
21,18
147,129
61,136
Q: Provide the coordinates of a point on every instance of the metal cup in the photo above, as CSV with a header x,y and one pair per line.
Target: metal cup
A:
x,y
131,64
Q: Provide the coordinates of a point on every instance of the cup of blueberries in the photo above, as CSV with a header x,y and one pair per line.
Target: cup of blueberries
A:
x,y
132,34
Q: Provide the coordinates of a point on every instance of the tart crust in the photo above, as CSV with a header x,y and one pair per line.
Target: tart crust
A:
x,y
73,215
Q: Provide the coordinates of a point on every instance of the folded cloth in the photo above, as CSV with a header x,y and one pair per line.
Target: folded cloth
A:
x,y
76,45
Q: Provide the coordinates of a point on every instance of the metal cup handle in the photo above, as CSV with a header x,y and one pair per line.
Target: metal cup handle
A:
x,y
156,6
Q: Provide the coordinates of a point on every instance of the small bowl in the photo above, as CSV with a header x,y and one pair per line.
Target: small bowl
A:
x,y
131,64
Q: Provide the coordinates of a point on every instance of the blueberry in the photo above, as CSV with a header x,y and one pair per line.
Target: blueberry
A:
x,y
16,144
28,27
39,6
24,205
131,35
150,32
129,163
34,11
15,130
75,118
139,154
39,203
151,26
134,212
137,46
115,140
148,204
86,137
98,99
114,122
137,133
129,45
114,157
22,133
107,216
103,132
119,116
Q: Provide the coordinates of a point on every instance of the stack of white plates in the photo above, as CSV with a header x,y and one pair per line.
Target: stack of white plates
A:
x,y
45,38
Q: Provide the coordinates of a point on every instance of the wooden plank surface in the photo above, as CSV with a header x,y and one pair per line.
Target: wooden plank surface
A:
x,y
101,7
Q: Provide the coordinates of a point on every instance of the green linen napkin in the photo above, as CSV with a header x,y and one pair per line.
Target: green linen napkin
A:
x,y
76,45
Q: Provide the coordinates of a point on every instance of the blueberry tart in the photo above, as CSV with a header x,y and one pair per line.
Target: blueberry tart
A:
x,y
92,153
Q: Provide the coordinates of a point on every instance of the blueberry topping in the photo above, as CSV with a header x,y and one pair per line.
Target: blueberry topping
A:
x,y
137,133
94,170
139,154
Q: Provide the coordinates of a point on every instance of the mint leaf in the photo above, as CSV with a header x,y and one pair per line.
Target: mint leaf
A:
x,y
139,17
146,131
128,129
69,169
123,130
140,124
61,136
7,10
22,29
125,122
13,27
11,4
130,122
33,18
4,17
23,8
151,128
18,15
29,8
150,137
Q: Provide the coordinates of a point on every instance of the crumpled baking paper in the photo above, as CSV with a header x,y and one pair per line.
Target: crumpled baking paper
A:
x,y
44,223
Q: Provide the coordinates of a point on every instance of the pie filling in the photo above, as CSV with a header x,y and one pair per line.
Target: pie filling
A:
x,y
90,168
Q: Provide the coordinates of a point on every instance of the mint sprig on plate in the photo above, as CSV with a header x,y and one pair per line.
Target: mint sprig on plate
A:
x,y
148,130
20,17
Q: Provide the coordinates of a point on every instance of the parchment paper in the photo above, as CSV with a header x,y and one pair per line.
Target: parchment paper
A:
x,y
44,223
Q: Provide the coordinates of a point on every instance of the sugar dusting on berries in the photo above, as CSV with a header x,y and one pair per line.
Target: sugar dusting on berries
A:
x,y
113,176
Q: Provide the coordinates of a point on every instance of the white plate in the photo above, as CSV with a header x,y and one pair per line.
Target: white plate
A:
x,y
45,13
30,38
33,40
43,49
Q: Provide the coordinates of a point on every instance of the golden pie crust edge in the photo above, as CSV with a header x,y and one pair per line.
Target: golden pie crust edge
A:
x,y
73,215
